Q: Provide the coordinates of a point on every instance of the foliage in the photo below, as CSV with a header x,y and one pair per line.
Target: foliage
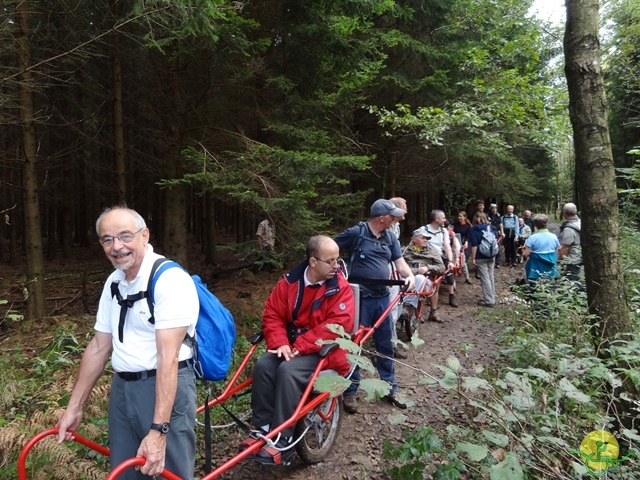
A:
x,y
530,412
622,73
310,187
36,389
502,104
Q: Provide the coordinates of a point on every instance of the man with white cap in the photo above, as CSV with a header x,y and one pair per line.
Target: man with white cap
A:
x,y
370,247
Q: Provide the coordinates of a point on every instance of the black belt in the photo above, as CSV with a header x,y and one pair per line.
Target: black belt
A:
x,y
132,376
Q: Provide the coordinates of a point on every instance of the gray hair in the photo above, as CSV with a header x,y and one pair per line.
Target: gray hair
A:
x,y
570,209
540,220
140,223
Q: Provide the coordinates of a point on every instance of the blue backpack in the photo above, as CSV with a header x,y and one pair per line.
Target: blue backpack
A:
x,y
215,331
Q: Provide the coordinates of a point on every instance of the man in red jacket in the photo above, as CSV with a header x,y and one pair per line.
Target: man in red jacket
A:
x,y
308,298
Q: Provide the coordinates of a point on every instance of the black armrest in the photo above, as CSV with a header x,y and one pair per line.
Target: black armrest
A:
x,y
256,338
326,349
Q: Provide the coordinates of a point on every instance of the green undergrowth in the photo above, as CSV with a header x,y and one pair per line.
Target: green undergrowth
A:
x,y
527,415
36,384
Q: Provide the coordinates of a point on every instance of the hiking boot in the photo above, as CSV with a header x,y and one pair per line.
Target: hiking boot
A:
x,y
350,403
452,300
397,353
433,317
391,398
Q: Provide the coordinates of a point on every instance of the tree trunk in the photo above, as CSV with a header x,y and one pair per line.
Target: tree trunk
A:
x,y
595,172
33,239
175,198
118,116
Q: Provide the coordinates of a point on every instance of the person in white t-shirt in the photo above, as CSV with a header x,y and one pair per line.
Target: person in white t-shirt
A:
x,y
153,396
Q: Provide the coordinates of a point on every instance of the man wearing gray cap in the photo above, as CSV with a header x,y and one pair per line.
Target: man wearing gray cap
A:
x,y
370,247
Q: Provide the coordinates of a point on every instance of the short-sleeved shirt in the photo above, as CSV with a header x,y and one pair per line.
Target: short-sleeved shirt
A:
x,y
438,236
371,257
570,235
176,305
543,260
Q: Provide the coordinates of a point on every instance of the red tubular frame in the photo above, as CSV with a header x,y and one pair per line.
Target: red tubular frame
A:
x,y
308,403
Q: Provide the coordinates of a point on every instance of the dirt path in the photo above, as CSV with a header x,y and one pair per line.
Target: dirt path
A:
x,y
358,452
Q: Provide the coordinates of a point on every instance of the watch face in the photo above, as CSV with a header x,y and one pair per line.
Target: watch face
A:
x,y
163,428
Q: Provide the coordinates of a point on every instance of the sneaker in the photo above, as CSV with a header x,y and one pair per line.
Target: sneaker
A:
x,y
433,317
282,454
468,281
397,353
391,398
482,303
350,403
497,265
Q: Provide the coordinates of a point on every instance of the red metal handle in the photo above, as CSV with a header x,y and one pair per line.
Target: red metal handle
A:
x,y
132,462
22,459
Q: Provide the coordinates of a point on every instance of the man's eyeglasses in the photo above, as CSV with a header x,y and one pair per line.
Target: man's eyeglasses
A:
x,y
332,262
123,237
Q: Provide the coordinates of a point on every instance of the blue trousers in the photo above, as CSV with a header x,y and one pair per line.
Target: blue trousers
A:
x,y
371,308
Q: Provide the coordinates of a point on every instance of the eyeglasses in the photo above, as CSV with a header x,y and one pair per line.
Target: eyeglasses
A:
x,y
123,237
333,261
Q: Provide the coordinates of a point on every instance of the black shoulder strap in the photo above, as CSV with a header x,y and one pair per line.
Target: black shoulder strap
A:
x,y
569,225
359,240
125,305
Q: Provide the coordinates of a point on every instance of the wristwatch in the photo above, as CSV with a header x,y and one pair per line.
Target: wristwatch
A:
x,y
163,428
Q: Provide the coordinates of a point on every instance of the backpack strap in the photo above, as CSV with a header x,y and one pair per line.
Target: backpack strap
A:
x,y
159,266
125,305
357,244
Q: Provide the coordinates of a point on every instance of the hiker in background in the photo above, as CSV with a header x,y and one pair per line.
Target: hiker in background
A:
x,y
525,232
495,219
152,404
266,234
484,263
528,219
440,238
461,230
401,203
570,252
370,246
394,290
511,229
541,251
296,314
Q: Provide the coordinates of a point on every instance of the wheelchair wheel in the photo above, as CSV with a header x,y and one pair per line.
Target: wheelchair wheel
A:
x,y
406,327
323,429
410,326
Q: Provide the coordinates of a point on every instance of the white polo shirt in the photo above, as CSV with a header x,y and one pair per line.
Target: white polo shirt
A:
x,y
176,305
